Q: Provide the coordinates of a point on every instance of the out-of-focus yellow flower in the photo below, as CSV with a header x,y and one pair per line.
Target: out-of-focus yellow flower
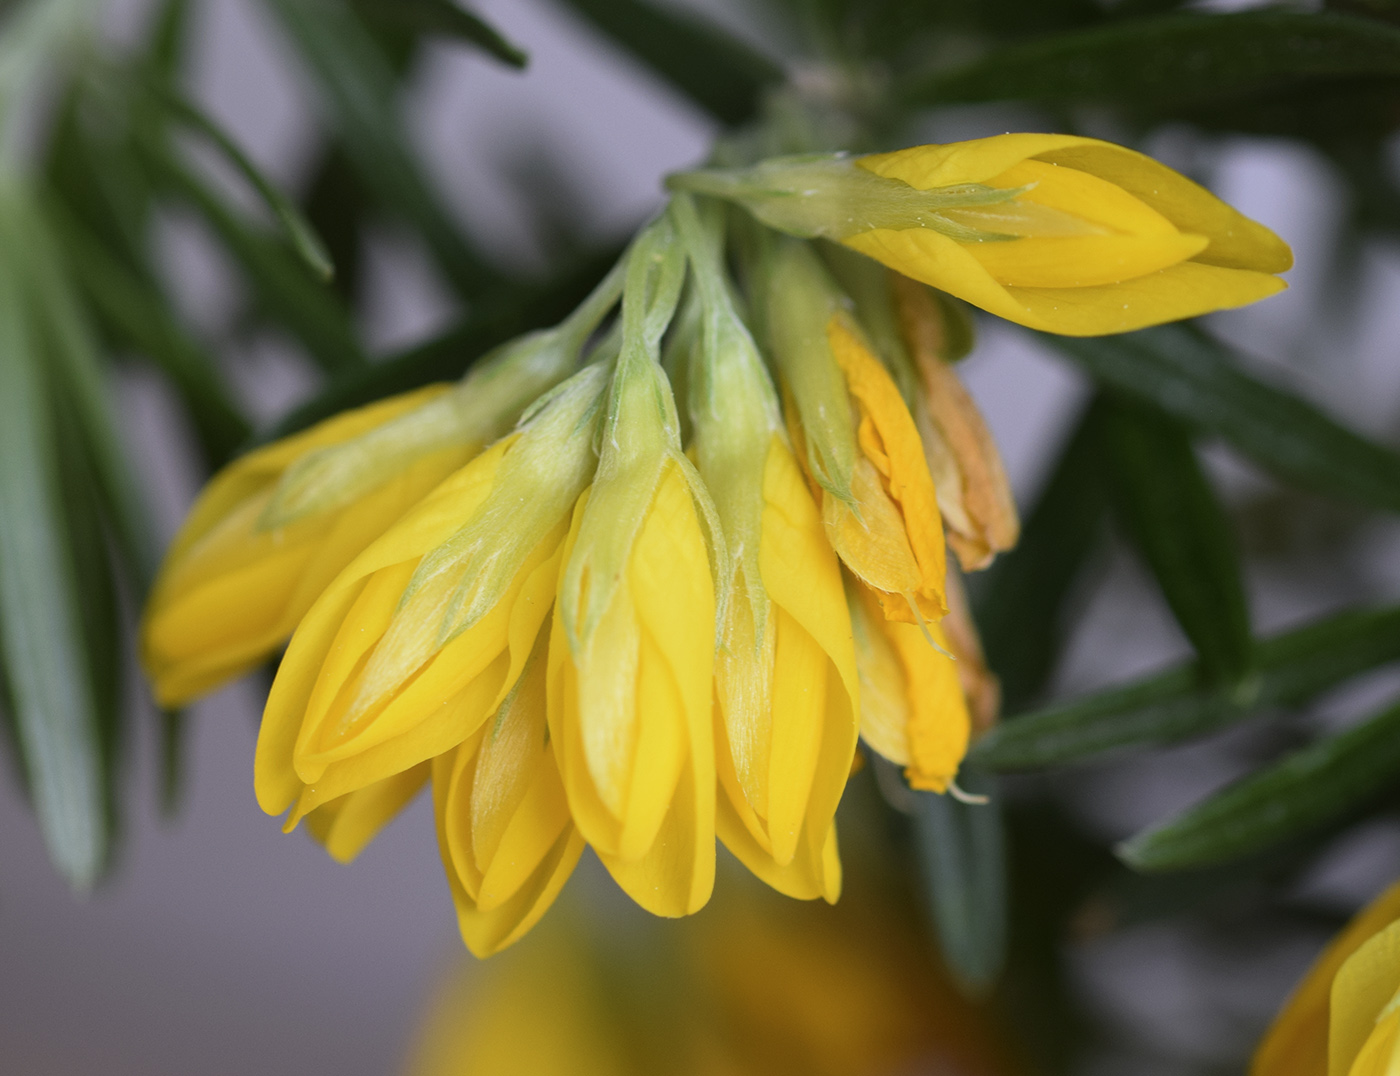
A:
x,y
859,442
1343,1019
974,495
1061,233
424,636
272,529
785,681
631,655
753,988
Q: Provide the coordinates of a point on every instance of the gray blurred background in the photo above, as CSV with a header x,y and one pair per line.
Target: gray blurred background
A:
x,y
222,946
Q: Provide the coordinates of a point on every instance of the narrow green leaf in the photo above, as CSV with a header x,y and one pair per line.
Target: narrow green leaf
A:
x,y
962,858
720,74
64,333
1173,518
361,94
1307,790
1173,705
41,634
313,313
135,314
301,234
446,18
1184,56
1020,602
1185,373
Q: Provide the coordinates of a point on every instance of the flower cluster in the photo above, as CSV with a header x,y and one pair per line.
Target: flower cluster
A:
x,y
643,579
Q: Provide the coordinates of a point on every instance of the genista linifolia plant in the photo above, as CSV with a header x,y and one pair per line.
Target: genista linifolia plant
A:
x,y
696,537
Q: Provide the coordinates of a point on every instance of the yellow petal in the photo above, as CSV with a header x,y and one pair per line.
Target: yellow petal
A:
x,y
1181,291
890,440
1296,1043
1365,984
1378,1056
345,825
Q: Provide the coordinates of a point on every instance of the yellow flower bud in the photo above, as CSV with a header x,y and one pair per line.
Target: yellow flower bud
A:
x,y
507,839
420,639
785,677
233,588
631,656
1343,1019
912,707
973,492
1060,233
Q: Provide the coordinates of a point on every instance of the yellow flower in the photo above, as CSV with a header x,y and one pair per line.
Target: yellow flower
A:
x,y
974,495
858,440
507,839
631,655
1065,234
424,635
1343,1019
271,530
233,588
785,681
755,987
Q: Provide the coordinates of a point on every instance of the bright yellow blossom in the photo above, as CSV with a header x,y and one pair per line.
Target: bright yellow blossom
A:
x,y
422,638
1057,232
631,655
1343,1019
785,682
272,529
858,440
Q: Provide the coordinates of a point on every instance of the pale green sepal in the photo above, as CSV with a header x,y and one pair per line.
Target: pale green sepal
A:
x,y
735,416
456,584
828,196
799,299
639,435
481,408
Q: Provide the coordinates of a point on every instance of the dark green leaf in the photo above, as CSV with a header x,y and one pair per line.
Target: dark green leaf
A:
x,y
1304,792
138,316
1172,516
1185,373
721,75
361,95
1173,705
304,306
1186,56
59,729
963,861
1020,603
303,237
446,18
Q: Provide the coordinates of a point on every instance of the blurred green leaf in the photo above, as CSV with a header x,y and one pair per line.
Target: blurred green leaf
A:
x,y
446,18
302,235
962,857
139,317
284,290
1173,705
1173,518
1183,56
1305,791
75,366
1020,601
361,95
41,613
718,72
1185,373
